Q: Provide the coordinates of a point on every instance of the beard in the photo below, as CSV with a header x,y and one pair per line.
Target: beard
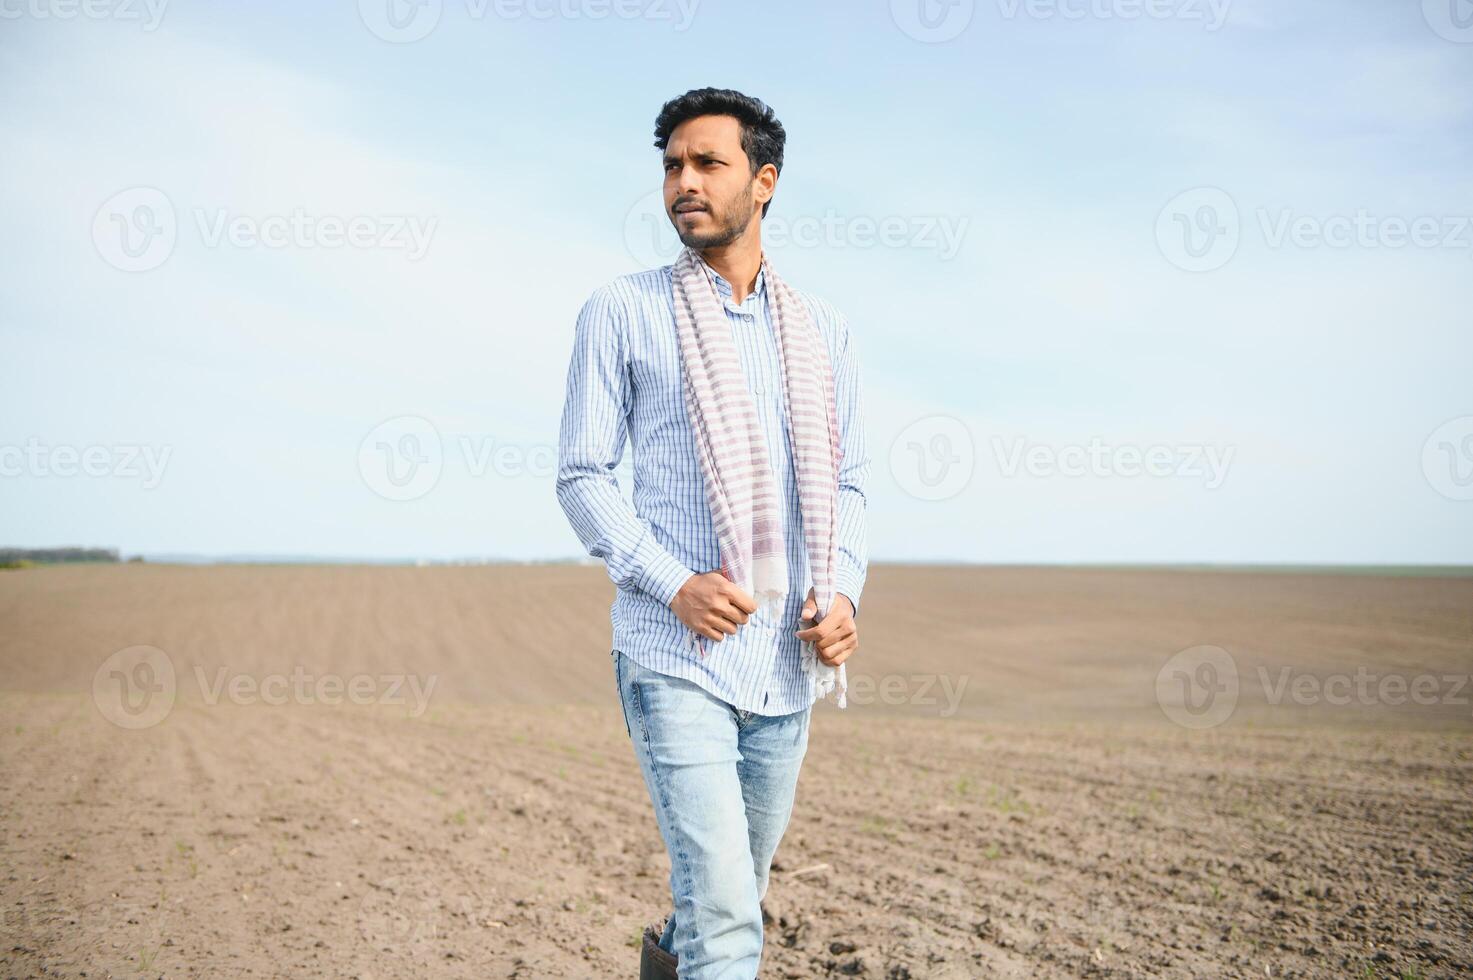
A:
x,y
731,222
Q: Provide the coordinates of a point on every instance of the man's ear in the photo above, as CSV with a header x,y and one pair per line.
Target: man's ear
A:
x,y
766,179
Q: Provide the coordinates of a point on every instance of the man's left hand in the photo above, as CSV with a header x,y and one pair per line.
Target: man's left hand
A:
x,y
836,638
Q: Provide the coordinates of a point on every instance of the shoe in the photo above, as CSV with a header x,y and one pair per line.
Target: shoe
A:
x,y
654,962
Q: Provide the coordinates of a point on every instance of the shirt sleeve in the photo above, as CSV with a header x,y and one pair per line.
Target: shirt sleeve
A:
x,y
591,444
854,471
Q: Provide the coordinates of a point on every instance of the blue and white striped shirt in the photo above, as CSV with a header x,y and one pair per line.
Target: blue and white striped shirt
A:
x,y
625,381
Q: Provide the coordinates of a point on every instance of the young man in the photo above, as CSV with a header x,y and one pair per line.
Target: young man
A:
x,y
741,399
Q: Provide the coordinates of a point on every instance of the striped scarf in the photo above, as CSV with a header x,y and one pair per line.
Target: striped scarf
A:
x,y
741,487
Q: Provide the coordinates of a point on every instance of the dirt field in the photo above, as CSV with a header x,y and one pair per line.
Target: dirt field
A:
x,y
410,772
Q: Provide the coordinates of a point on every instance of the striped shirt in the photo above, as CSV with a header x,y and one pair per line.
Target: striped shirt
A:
x,y
625,381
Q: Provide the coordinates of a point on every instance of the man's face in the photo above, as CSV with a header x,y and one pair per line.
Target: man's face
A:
x,y
711,194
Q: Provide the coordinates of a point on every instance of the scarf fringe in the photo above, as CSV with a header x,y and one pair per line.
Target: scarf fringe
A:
x,y
826,680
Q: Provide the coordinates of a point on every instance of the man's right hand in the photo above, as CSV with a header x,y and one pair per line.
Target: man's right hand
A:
x,y
712,605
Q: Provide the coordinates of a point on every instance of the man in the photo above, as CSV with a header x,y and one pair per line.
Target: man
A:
x,y
741,399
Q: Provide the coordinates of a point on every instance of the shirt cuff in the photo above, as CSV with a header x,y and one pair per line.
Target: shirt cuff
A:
x,y
850,585
663,575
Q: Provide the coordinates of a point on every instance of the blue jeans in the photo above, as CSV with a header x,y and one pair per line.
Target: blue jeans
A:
x,y
722,782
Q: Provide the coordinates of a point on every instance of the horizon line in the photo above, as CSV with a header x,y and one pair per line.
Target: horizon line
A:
x,y
246,558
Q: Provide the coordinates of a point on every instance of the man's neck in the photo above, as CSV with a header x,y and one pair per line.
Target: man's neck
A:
x,y
738,263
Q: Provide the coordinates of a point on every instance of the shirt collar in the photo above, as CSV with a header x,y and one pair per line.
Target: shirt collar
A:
x,y
723,288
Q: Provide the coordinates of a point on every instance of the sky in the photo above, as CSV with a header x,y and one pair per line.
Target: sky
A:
x,y
1129,281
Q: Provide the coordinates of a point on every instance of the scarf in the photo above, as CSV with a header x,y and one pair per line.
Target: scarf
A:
x,y
741,488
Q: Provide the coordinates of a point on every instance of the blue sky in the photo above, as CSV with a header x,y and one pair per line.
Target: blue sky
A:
x,y
1147,288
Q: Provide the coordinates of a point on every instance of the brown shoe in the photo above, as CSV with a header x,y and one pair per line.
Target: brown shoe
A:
x,y
654,962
